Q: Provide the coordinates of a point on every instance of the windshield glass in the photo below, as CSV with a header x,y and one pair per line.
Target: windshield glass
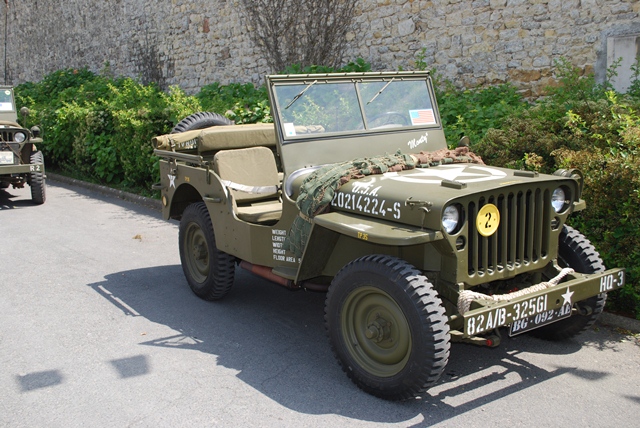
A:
x,y
6,100
397,103
323,107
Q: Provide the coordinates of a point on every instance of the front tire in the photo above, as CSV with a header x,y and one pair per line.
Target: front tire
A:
x,y
577,252
209,271
37,180
387,327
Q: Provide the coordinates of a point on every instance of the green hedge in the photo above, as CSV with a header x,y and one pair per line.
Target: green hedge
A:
x,y
99,128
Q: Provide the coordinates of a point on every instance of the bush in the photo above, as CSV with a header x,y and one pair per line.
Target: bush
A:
x,y
100,128
472,112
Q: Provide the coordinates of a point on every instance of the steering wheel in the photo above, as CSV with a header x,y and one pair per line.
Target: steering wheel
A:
x,y
389,119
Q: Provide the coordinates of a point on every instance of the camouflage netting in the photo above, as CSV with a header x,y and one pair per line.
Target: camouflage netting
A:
x,y
318,189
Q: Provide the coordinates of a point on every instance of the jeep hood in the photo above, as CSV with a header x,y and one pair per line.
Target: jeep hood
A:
x,y
418,196
9,124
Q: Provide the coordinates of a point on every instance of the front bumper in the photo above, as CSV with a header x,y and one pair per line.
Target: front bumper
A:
x,y
578,287
21,169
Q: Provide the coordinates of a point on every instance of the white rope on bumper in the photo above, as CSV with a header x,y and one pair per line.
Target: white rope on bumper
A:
x,y
466,297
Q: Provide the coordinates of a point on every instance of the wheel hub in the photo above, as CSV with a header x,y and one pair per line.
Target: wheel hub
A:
x,y
378,330
199,251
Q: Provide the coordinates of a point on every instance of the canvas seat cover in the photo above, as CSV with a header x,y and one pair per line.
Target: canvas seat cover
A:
x,y
252,168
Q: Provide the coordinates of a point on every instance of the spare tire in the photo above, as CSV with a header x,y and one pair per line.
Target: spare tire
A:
x,y
201,120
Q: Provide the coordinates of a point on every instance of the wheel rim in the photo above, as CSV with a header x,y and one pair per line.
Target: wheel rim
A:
x,y
197,252
376,331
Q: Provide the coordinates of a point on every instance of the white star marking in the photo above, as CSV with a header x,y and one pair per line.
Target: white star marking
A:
x,y
434,175
172,181
567,297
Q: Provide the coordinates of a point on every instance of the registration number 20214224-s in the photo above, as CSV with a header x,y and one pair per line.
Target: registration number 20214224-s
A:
x,y
366,204
502,316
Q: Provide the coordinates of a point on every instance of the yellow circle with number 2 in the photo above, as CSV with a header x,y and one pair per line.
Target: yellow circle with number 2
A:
x,y
488,220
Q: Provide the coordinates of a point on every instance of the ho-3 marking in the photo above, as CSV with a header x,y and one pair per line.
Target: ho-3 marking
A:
x,y
366,204
609,282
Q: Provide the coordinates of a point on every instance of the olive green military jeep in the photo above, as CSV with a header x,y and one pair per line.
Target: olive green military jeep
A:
x,y
20,161
353,192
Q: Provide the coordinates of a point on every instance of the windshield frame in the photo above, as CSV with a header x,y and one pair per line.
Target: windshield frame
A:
x,y
307,84
4,93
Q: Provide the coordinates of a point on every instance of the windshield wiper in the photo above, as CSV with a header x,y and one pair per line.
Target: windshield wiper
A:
x,y
301,93
380,91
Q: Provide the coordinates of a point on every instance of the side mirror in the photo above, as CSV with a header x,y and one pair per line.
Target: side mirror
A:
x,y
24,111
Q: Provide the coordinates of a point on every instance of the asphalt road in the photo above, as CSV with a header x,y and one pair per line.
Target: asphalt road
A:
x,y
99,328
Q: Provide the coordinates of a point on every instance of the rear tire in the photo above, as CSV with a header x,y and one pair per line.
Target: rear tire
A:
x,y
387,327
577,252
200,120
209,271
37,180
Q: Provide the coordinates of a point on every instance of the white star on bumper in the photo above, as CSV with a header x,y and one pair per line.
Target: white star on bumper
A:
x,y
567,297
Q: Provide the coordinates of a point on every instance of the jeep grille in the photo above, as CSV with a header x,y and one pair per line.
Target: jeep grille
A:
x,y
522,239
6,135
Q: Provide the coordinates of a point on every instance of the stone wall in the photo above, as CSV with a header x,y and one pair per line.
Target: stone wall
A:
x,y
193,43
493,41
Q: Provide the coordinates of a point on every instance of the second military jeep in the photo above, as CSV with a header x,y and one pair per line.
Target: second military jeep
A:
x,y
20,161
353,191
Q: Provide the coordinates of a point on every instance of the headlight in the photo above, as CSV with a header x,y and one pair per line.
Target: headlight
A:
x,y
19,137
450,218
558,199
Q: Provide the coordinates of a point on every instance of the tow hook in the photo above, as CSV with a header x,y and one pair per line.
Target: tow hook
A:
x,y
585,310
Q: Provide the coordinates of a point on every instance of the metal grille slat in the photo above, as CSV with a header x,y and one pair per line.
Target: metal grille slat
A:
x,y
512,227
530,227
473,239
493,243
539,217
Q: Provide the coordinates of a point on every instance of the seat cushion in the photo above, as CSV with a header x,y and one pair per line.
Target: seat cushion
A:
x,y
260,212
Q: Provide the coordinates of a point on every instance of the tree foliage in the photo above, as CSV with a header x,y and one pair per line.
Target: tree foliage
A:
x,y
307,32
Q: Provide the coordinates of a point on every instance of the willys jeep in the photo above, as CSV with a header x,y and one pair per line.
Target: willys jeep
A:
x,y
20,161
352,191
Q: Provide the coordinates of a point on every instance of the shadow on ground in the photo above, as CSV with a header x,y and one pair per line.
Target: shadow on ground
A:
x,y
8,202
276,341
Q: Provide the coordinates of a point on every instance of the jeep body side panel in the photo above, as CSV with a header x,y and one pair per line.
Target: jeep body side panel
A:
x,y
188,184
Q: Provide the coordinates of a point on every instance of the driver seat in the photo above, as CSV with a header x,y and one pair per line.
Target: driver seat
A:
x,y
251,176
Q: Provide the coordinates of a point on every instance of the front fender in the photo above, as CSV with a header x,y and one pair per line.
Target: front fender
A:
x,y
328,228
